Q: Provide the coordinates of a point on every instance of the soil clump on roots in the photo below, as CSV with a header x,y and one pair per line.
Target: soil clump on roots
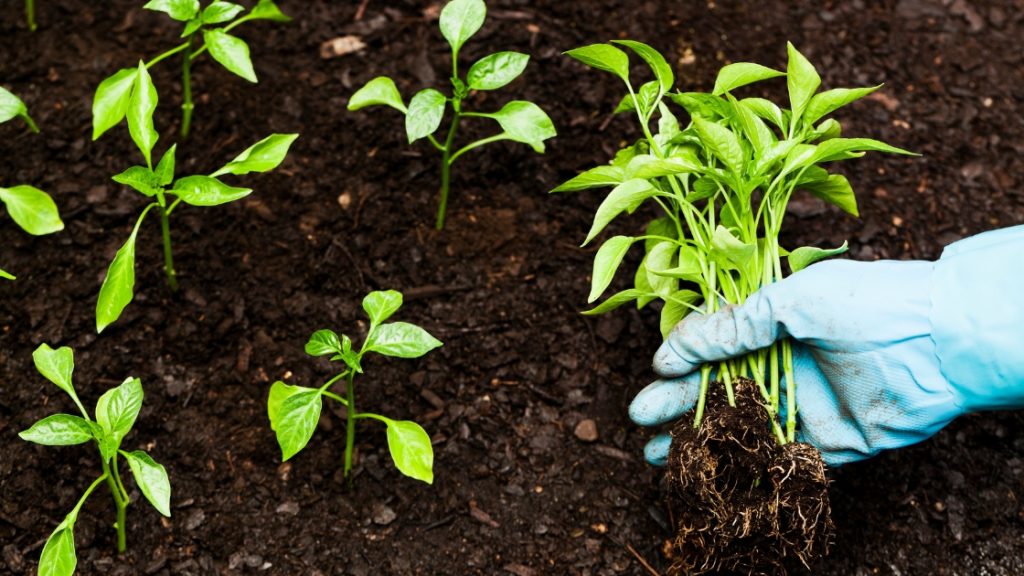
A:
x,y
738,500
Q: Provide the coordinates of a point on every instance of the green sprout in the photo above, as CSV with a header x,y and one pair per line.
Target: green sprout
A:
x,y
115,412
206,29
294,410
30,14
520,120
31,209
723,183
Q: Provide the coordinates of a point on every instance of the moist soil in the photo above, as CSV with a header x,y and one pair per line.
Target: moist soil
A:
x,y
517,491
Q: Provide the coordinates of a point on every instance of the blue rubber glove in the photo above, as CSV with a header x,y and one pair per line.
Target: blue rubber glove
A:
x,y
886,353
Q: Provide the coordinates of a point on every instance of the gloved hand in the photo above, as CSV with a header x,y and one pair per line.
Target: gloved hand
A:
x,y
885,354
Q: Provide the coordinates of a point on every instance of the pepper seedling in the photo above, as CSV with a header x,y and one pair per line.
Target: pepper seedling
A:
x,y
115,413
294,410
520,120
211,25
723,183
31,209
118,286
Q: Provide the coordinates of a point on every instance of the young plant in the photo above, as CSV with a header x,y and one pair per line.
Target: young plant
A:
x,y
294,410
160,185
115,414
206,29
30,208
520,121
723,182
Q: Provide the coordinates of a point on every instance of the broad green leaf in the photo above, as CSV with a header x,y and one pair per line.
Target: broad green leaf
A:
x,y
702,105
497,70
525,122
803,81
119,284
733,76
772,154
32,209
58,557
829,101
460,19
627,104
729,251
410,448
57,366
806,255
140,113
799,156
191,26
110,104
603,57
687,267
676,308
660,67
152,480
401,340
836,190
838,148
295,417
231,51
262,156
625,197
207,191
613,302
165,169
59,430
606,262
182,10
381,91
661,257
657,231
827,130
11,107
381,304
645,292
668,125
767,110
219,12
594,178
754,128
7,275
722,143
268,10
323,342
646,167
426,110
117,408
140,179
647,97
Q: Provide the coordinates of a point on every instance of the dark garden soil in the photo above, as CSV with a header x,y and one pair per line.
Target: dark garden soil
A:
x,y
517,491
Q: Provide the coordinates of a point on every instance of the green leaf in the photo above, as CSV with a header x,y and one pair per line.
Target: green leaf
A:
x,y
756,131
164,172
662,71
117,408
401,340
495,71
426,110
191,26
836,190
140,113
7,275
323,342
676,308
32,209
410,448
152,480
733,76
767,110
827,130
606,262
593,178
831,100
722,143
268,10
381,304
207,191
182,10
57,366
668,125
806,255
660,258
687,268
110,104
603,57
141,179
772,154
11,107
231,51
460,20
646,167
664,227
525,122
294,412
119,284
381,91
702,105
220,11
59,430
840,148
614,302
625,197
58,557
645,291
730,252
802,79
262,156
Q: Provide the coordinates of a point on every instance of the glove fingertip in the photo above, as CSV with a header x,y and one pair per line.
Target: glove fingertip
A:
x,y
664,401
656,451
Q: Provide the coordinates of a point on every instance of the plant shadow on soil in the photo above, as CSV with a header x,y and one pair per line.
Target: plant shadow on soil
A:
x,y
351,210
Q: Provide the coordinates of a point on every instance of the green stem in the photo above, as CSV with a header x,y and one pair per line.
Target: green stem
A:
x,y
787,363
30,14
773,365
477,144
726,376
122,505
165,229
186,89
169,53
705,378
446,167
73,515
350,425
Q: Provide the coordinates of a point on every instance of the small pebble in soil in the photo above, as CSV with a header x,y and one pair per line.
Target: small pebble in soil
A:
x,y
383,515
586,430
194,519
290,507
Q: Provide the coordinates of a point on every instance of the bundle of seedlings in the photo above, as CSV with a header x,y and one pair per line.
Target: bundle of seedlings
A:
x,y
744,495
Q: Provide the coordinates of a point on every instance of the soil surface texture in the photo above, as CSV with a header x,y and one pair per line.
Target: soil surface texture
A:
x,y
538,469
